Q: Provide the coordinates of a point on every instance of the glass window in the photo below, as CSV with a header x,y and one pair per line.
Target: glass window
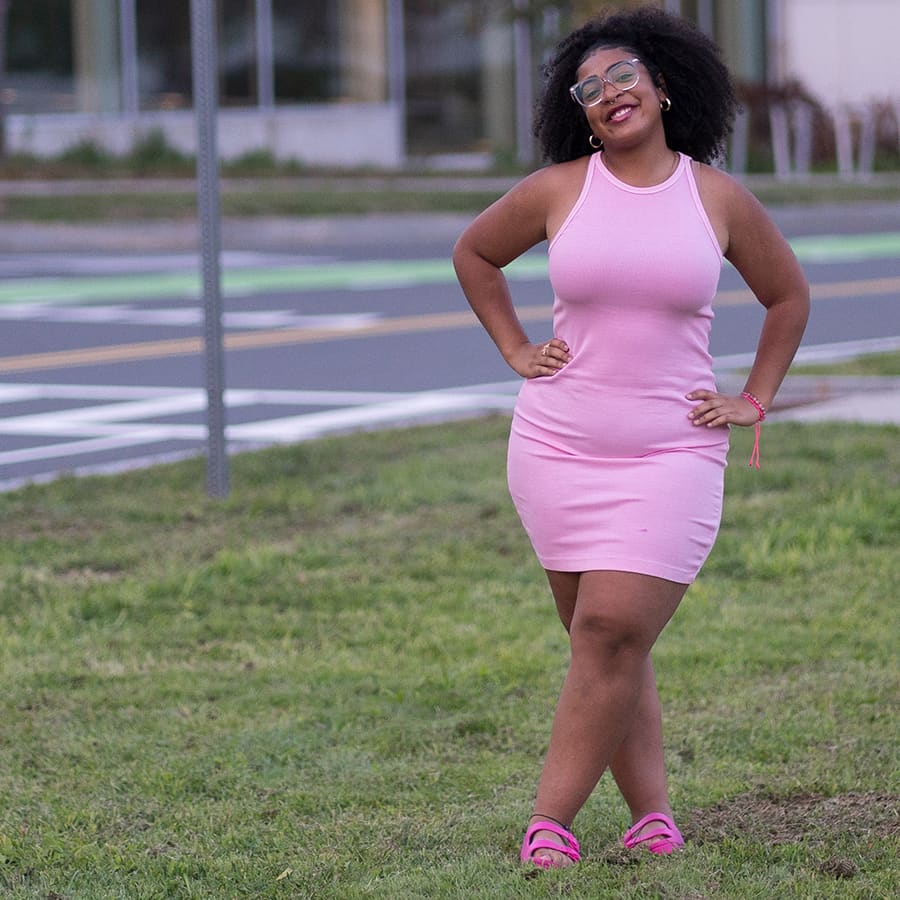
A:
x,y
306,49
165,76
39,61
446,49
164,53
237,52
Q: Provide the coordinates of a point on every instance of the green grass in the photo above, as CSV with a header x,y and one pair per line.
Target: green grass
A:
x,y
321,201
303,201
290,189
264,202
774,193
338,682
870,364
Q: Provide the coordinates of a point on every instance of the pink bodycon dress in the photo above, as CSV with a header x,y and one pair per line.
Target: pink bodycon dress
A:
x,y
605,468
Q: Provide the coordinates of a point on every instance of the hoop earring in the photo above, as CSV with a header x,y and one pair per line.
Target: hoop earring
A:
x,y
665,104
598,145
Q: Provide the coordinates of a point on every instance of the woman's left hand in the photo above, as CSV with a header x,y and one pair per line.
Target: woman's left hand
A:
x,y
715,410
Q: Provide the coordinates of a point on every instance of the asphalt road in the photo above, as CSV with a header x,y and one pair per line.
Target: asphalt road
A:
x,y
331,325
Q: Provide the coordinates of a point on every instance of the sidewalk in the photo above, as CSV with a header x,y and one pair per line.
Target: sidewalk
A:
x,y
262,233
287,234
869,400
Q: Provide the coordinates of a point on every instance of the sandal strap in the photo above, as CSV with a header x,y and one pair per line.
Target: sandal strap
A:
x,y
667,832
530,846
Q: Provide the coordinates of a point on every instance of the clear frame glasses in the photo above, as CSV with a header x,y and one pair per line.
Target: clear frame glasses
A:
x,y
621,76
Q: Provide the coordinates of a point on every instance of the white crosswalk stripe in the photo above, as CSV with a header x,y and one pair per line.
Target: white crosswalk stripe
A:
x,y
112,418
169,422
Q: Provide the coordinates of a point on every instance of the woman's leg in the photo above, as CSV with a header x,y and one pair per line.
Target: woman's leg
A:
x,y
564,587
609,696
638,765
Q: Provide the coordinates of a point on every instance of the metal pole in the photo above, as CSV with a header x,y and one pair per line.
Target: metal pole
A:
x,y
4,10
128,54
775,43
265,56
205,72
396,47
705,16
524,89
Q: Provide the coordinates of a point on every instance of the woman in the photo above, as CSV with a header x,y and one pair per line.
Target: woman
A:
x,y
618,443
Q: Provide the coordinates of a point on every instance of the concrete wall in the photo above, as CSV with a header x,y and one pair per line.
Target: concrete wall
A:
x,y
344,134
844,51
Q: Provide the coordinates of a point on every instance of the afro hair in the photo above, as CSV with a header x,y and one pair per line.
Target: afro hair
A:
x,y
677,54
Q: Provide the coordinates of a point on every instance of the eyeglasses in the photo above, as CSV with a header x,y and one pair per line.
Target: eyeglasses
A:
x,y
621,76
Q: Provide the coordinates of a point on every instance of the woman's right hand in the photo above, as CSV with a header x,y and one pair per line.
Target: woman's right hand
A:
x,y
540,360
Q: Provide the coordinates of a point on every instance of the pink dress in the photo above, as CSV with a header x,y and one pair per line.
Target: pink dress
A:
x,y
605,468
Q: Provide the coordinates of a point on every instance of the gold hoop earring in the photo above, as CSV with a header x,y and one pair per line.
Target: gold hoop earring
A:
x,y
598,145
665,104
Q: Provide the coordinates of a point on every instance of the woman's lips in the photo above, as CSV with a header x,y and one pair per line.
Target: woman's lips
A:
x,y
620,114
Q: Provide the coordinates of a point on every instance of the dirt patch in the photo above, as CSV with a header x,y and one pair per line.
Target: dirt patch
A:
x,y
812,819
788,820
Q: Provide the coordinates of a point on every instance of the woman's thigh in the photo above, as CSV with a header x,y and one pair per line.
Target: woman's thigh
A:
x,y
625,602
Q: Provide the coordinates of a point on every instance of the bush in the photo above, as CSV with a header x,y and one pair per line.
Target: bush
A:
x,y
86,154
152,152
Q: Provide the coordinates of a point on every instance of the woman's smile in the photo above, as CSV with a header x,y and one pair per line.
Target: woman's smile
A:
x,y
620,113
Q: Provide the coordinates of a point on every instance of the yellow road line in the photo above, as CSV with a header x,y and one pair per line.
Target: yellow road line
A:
x,y
866,287
279,337
242,340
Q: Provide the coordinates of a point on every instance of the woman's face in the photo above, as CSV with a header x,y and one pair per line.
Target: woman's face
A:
x,y
623,114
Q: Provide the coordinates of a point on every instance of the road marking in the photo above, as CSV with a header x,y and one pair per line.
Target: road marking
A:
x,y
68,449
817,353
840,248
115,417
830,290
360,275
17,393
143,350
235,341
377,275
101,427
93,265
180,317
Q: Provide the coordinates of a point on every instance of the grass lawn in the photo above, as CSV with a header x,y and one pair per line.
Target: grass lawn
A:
x,y
349,193
264,202
338,683
887,364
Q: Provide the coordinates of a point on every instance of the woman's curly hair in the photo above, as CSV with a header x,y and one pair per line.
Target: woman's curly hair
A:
x,y
675,53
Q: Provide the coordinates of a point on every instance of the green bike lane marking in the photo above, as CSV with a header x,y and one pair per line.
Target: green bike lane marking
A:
x,y
835,248
363,275
422,322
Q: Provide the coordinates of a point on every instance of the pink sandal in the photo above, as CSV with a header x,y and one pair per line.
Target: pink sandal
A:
x,y
663,840
530,846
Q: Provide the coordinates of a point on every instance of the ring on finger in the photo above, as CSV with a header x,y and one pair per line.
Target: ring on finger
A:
x,y
544,349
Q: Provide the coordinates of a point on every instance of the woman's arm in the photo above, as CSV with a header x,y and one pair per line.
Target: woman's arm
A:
x,y
767,264
504,231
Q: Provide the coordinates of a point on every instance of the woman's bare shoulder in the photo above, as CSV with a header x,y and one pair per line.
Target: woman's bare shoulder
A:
x,y
730,206
560,186
718,187
559,176
528,213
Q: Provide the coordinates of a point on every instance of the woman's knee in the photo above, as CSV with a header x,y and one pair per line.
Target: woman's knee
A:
x,y
619,613
603,632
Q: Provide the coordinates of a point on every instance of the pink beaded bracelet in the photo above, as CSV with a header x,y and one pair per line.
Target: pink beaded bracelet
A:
x,y
753,400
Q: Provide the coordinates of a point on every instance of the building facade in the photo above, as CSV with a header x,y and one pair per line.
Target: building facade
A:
x,y
359,82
